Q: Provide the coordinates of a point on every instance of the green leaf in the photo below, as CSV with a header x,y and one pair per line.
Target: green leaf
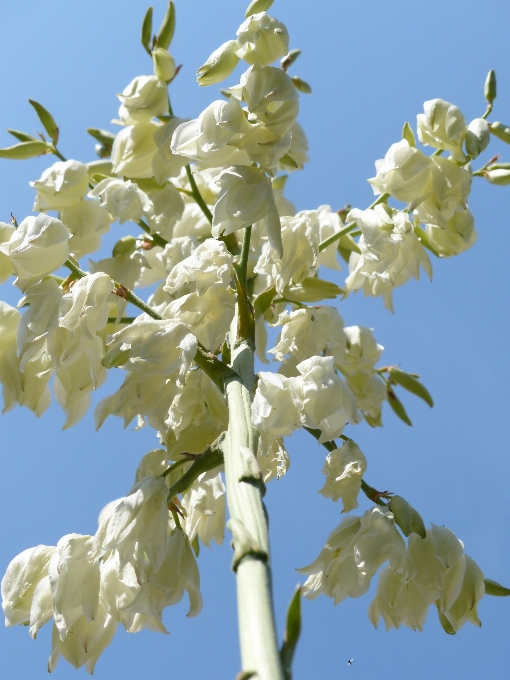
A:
x,y
22,136
397,406
409,383
263,301
104,137
20,152
494,588
406,517
257,6
408,134
167,28
447,626
292,633
47,120
146,36
312,289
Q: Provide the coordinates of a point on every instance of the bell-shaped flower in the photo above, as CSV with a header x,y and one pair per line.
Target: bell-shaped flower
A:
x,y
61,185
167,210
41,610
451,185
38,247
165,163
398,601
39,320
134,149
204,503
369,391
326,223
209,263
310,332
123,200
84,309
6,268
166,584
464,608
298,150
87,221
324,400
20,581
274,410
219,65
262,40
344,469
140,517
458,235
144,98
74,582
362,351
442,126
86,643
353,553
246,196
404,173
300,254
390,253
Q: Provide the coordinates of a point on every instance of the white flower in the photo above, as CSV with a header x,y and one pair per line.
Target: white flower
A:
x,y
274,410
20,581
326,223
404,173
204,503
344,468
354,551
442,126
362,351
390,253
245,197
134,149
458,235
140,518
61,185
166,164
324,400
451,185
123,200
369,391
477,137
464,608
144,98
38,247
262,39
219,65
84,309
74,582
167,210
398,601
210,263
87,221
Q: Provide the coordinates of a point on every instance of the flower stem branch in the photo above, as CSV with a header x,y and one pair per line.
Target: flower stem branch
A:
x,y
349,227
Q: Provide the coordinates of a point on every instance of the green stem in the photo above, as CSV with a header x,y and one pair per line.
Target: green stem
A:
x,y
242,267
351,226
487,112
123,319
198,196
209,460
155,238
57,153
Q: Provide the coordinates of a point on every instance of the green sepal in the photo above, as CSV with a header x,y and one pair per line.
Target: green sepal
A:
x,y
490,87
22,136
263,301
46,119
424,240
446,625
24,150
104,137
195,544
301,85
312,289
407,518
292,633
146,35
408,134
500,131
287,161
124,246
288,60
257,6
494,588
397,406
411,384
115,356
167,28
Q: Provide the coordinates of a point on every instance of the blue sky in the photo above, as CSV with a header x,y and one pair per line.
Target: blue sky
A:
x,y
371,66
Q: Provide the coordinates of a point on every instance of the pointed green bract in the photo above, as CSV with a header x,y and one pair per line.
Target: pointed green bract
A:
x,y
263,301
291,57
397,406
47,120
257,6
301,85
408,134
20,152
292,633
494,588
22,136
312,289
407,518
167,28
146,36
105,137
411,384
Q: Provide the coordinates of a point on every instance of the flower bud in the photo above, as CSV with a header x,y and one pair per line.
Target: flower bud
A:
x,y
477,137
256,6
164,64
501,177
262,39
490,86
220,64
500,131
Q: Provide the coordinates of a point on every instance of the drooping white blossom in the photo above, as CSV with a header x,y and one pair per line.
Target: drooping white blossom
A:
x,y
204,503
61,185
344,468
134,149
122,199
442,126
144,98
262,40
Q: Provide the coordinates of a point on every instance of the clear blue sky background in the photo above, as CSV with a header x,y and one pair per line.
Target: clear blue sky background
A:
x,y
371,66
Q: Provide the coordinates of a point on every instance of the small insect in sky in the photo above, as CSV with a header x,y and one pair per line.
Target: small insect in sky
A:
x,y
349,663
